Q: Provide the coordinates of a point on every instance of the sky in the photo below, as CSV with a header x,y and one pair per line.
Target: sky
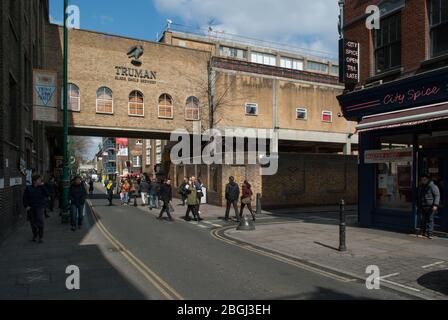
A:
x,y
308,24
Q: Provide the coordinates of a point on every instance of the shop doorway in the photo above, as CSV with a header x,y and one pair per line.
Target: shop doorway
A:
x,y
435,164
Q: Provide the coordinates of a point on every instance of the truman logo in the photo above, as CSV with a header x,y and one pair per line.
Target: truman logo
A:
x,y
135,52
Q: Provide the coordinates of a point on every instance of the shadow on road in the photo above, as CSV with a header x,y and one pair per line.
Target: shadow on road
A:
x,y
322,294
436,281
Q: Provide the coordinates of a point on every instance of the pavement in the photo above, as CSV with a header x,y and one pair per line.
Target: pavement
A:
x,y
414,265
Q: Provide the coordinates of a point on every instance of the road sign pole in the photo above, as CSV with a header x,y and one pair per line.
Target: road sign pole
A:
x,y
65,176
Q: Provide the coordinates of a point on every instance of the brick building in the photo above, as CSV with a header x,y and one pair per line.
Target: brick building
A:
x,y
401,106
23,142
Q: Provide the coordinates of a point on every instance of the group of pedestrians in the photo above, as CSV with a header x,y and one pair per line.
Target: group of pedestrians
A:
x,y
191,193
233,196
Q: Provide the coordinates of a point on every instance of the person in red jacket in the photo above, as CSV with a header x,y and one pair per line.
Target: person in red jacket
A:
x,y
246,199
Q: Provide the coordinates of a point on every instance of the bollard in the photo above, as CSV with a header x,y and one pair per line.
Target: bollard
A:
x,y
258,209
246,224
342,227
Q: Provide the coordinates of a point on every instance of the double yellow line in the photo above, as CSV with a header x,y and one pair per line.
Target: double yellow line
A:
x,y
216,235
167,291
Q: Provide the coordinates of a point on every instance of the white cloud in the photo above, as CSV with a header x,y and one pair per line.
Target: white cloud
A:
x,y
306,23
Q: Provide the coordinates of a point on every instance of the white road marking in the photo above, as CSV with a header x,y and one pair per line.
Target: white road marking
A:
x,y
389,276
401,285
202,226
433,264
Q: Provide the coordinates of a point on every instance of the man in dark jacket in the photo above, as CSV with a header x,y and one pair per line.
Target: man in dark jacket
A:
x,y
166,194
35,202
52,190
78,198
232,196
144,190
183,191
429,201
154,192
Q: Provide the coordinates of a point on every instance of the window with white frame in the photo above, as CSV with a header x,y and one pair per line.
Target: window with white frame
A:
x,y
73,98
137,162
301,114
290,63
136,104
232,52
192,109
317,66
251,109
438,24
327,116
104,100
166,106
263,58
159,158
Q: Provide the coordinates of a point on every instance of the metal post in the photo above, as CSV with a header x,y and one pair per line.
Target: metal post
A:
x,y
258,210
65,177
342,226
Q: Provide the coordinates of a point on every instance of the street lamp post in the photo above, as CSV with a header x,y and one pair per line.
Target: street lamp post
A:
x,y
65,176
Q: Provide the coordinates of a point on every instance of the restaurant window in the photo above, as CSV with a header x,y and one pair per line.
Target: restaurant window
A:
x,y
438,26
394,175
104,101
301,114
387,43
136,104
74,98
327,116
165,106
192,109
251,109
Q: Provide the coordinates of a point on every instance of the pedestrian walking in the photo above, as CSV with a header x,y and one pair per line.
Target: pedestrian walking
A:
x,y
428,204
91,183
154,191
110,192
166,194
198,185
77,199
144,190
35,201
133,192
246,199
192,201
183,191
125,188
52,190
232,196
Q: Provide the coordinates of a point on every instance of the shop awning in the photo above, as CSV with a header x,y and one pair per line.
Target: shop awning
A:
x,y
408,117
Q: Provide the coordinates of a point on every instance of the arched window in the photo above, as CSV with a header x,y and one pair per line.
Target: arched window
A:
x,y
74,101
136,104
166,106
104,100
192,109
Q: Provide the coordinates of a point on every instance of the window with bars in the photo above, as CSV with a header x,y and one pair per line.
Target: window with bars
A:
x,y
166,106
438,26
104,101
136,104
387,43
192,109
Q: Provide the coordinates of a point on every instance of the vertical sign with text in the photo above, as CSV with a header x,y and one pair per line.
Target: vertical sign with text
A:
x,y
45,96
348,61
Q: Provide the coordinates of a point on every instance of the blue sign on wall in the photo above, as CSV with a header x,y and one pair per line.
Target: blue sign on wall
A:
x,y
424,89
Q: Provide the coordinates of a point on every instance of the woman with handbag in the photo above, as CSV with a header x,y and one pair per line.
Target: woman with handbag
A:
x,y
246,199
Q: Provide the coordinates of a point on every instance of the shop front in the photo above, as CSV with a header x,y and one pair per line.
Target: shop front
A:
x,y
403,135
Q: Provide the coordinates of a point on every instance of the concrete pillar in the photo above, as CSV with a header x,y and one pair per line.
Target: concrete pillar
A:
x,y
275,124
347,150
